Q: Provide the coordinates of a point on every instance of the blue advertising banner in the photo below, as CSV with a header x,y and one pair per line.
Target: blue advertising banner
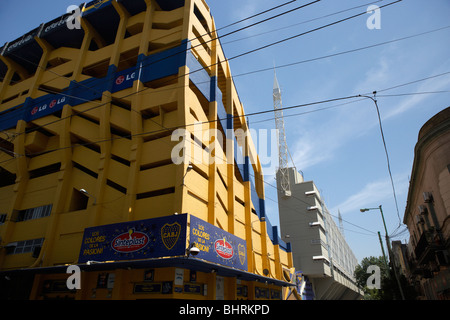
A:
x,y
217,245
142,239
45,105
124,79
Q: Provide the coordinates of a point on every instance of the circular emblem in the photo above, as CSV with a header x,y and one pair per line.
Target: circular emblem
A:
x,y
52,104
34,110
120,79
130,241
223,248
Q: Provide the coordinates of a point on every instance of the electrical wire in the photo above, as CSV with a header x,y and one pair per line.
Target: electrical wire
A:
x,y
245,53
299,23
185,50
350,51
239,116
307,32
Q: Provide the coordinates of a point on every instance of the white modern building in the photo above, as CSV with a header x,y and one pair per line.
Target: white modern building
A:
x,y
319,249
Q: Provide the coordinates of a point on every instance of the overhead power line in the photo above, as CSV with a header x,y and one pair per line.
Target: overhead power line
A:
x,y
342,53
177,53
244,115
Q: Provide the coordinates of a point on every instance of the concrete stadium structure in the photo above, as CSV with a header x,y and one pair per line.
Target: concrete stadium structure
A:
x,y
88,175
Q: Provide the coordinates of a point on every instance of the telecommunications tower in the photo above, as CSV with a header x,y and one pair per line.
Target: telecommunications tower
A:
x,y
282,145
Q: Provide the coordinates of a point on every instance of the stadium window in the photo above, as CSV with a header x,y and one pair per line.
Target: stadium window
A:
x,y
35,213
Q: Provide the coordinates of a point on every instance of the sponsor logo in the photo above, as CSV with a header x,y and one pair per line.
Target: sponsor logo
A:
x,y
120,80
223,248
50,105
170,234
241,251
99,3
130,241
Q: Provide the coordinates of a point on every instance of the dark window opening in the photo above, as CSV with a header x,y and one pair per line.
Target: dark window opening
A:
x,y
45,170
201,98
85,170
116,186
79,200
77,141
97,70
242,203
120,132
162,82
120,160
86,117
155,193
201,18
121,103
34,213
156,164
128,59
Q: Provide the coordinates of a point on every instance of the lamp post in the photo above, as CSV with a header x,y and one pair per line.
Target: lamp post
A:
x,y
89,195
391,257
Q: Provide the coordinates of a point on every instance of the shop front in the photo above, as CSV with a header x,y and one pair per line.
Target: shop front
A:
x,y
153,259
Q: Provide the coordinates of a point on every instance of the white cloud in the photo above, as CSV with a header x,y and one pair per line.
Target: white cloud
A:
x,y
373,193
318,141
432,85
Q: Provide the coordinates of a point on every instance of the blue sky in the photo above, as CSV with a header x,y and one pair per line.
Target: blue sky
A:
x,y
340,148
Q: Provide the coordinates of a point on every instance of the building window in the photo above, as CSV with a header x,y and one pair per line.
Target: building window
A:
x,y
26,246
35,213
3,218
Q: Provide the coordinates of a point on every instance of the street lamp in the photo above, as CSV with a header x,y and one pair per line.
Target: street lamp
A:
x,y
391,257
88,194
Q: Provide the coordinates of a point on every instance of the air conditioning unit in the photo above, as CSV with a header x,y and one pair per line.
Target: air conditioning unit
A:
x,y
312,208
427,197
423,210
419,220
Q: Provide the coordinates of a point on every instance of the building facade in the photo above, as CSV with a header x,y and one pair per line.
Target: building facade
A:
x,y
123,152
319,249
427,213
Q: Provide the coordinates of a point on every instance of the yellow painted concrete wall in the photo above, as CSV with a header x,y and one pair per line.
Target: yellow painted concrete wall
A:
x,y
118,147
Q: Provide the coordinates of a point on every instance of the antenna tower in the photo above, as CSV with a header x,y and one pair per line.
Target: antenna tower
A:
x,y
282,145
341,225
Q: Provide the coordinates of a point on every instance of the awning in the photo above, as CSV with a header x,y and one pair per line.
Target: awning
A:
x,y
178,262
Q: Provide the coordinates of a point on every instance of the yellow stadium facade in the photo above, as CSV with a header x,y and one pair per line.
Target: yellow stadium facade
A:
x,y
126,172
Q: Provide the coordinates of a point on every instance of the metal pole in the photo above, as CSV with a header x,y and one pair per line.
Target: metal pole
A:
x,y
382,250
391,256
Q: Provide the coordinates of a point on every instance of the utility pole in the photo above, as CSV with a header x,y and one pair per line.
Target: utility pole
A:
x,y
391,256
382,250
